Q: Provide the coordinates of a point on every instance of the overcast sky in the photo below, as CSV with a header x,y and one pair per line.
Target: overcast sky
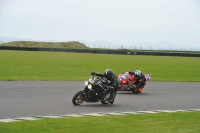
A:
x,y
119,21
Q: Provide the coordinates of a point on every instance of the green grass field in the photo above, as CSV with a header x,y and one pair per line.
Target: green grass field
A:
x,y
26,65
142,123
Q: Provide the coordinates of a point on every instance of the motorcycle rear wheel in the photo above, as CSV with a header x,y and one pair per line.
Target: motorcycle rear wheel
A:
x,y
106,99
104,102
78,98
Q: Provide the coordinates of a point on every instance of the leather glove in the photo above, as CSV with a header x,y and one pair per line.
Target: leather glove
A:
x,y
92,73
110,87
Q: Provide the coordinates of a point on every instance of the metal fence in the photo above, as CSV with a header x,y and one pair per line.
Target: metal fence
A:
x,y
109,51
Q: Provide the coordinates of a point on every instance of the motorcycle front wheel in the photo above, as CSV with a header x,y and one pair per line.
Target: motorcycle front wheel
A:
x,y
78,98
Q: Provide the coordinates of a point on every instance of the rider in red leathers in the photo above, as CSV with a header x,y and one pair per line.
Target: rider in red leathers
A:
x,y
140,82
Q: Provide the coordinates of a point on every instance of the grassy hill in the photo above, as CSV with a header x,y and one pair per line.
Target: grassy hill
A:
x,y
71,44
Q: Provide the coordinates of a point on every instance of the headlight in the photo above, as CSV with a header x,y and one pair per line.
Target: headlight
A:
x,y
89,86
86,82
92,82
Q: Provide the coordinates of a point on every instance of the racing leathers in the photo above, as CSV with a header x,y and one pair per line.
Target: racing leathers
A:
x,y
140,82
112,86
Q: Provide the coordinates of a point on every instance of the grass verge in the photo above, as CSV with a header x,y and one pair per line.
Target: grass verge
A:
x,y
181,122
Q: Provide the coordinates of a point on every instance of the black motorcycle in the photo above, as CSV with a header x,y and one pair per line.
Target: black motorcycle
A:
x,y
95,90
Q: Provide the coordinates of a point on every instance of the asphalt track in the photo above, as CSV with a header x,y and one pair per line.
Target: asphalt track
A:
x,y
40,98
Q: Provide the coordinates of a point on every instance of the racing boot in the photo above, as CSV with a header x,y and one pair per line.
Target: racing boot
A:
x,y
111,101
112,97
139,90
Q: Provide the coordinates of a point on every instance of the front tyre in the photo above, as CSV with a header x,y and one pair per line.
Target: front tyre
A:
x,y
78,98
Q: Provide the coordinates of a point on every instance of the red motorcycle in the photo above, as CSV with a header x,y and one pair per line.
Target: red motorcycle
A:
x,y
127,80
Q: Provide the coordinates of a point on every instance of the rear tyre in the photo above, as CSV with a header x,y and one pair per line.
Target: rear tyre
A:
x,y
106,99
134,91
78,98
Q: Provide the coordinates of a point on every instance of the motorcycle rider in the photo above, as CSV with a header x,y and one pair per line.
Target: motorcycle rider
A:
x,y
112,85
140,80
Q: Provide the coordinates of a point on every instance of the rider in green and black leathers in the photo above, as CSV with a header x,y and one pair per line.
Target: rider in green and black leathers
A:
x,y
112,85
140,81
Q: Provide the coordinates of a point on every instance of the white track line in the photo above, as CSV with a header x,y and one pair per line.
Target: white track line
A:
x,y
95,114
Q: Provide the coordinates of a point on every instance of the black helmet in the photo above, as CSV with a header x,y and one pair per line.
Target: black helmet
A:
x,y
108,74
137,74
